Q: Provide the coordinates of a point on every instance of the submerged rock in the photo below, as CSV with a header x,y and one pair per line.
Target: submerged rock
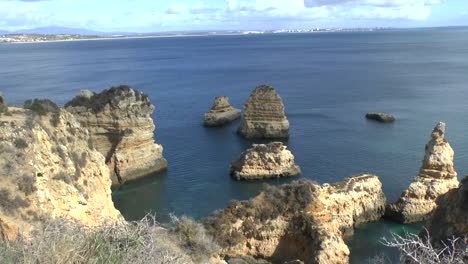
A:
x,y
264,115
436,177
381,117
300,221
221,112
121,127
262,161
450,218
48,171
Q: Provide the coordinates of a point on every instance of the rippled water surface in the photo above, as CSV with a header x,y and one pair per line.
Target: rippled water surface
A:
x,y
328,81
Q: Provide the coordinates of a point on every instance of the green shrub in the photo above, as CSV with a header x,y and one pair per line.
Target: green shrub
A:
x,y
9,203
21,143
63,176
3,109
26,184
41,106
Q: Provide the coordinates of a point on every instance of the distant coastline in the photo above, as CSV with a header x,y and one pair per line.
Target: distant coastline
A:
x,y
45,38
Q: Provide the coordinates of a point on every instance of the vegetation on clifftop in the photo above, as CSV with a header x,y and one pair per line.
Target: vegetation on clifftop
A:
x,y
144,241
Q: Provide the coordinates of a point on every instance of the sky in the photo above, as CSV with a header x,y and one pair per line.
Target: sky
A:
x,y
207,15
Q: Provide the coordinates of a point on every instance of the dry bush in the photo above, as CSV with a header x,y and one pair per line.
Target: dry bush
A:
x,y
415,249
193,237
63,242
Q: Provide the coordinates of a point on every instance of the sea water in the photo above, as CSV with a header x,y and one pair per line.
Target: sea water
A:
x,y
328,81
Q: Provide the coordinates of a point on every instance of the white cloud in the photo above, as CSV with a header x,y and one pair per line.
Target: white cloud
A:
x,y
230,14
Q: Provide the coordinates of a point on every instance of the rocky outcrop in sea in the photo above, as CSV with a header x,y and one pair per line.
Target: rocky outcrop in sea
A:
x,y
121,128
380,117
221,112
264,161
299,221
264,115
436,177
49,171
450,218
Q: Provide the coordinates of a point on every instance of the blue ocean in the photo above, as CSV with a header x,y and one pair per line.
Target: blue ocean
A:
x,y
328,81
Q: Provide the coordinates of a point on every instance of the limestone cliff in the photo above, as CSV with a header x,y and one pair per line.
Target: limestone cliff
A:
x,y
436,177
302,220
221,112
49,171
264,115
121,127
262,161
450,218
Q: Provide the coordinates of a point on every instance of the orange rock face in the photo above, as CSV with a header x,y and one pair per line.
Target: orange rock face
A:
x,y
299,221
121,128
49,171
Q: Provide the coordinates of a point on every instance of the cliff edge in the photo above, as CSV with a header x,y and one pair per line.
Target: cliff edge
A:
x,y
49,171
302,220
121,128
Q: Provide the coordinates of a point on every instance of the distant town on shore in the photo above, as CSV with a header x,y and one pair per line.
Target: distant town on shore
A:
x,y
44,35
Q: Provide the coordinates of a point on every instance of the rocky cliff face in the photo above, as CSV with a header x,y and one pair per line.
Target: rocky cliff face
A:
x,y
450,218
221,112
121,127
436,177
302,220
264,115
49,171
262,161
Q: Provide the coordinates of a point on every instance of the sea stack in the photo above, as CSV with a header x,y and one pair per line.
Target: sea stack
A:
x,y
299,221
221,112
264,115
48,172
262,161
121,127
436,177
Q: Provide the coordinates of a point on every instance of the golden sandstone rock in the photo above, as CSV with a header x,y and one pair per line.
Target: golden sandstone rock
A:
x,y
49,171
221,112
436,177
299,221
262,161
264,115
450,218
121,128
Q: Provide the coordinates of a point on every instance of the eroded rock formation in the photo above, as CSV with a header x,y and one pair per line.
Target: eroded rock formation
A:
x,y
436,177
380,117
48,171
262,161
264,115
121,127
299,221
221,112
450,218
